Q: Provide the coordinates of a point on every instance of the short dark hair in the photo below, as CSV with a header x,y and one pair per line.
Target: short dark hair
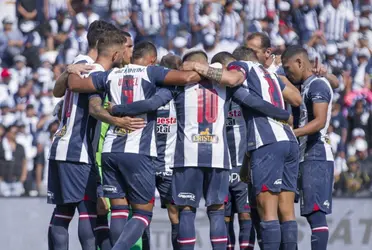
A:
x,y
265,39
112,38
243,53
292,51
223,57
7,129
143,48
194,53
171,61
97,30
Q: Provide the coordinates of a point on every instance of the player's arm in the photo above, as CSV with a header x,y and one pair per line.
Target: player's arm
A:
x,y
246,99
161,97
320,95
62,81
181,78
96,82
290,93
97,110
232,77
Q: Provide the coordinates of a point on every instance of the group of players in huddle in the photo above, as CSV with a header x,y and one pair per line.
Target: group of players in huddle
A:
x,y
221,131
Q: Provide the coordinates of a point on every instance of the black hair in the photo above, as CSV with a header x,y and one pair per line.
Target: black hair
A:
x,y
112,38
171,61
191,54
292,51
97,30
143,48
223,57
243,53
7,129
265,39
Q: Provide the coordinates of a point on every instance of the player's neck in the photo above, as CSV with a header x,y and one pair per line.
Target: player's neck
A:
x,y
141,62
308,73
92,53
104,62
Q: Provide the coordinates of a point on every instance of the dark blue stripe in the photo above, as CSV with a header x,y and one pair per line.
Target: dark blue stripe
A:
x,y
226,156
161,143
231,137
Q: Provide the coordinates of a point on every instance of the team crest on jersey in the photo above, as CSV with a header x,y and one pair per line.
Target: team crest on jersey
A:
x,y
205,137
122,131
62,132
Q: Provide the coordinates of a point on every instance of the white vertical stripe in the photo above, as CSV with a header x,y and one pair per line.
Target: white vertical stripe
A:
x,y
170,145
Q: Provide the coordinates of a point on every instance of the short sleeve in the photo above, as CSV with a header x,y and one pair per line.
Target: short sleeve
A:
x,y
81,62
319,92
157,74
240,66
93,95
100,80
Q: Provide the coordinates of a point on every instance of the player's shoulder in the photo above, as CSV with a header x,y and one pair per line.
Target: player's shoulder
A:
x,y
320,82
83,59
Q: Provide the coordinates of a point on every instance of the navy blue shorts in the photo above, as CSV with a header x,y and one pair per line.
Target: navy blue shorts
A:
x,y
275,167
164,186
190,183
316,185
128,175
71,182
238,200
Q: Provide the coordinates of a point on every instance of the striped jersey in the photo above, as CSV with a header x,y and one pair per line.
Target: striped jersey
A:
x,y
73,139
236,134
315,147
166,134
258,9
126,85
261,129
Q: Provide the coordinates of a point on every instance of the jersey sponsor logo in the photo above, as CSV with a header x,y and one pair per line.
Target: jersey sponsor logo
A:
x,y
230,122
232,116
189,196
121,131
205,137
278,182
110,189
50,195
62,132
130,70
234,177
164,124
164,173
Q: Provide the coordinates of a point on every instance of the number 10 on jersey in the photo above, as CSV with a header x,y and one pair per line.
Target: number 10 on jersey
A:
x,y
207,105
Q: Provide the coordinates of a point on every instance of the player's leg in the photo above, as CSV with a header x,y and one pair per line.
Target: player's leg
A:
x,y
316,181
63,215
229,221
102,232
113,188
146,237
50,240
286,199
267,165
164,186
215,189
139,176
87,222
187,198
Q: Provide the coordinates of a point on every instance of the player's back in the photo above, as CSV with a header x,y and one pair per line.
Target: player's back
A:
x,y
263,130
316,146
72,141
126,85
201,135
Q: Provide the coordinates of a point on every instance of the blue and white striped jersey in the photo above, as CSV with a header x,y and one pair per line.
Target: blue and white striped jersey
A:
x,y
236,134
166,134
73,139
126,85
261,129
149,14
315,147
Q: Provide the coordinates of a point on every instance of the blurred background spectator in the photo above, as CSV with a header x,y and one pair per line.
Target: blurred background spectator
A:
x,y
39,37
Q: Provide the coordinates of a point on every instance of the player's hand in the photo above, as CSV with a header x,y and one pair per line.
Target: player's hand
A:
x,y
278,60
79,69
130,123
188,66
102,207
319,69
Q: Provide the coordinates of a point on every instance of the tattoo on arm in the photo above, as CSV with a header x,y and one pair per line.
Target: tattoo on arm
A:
x,y
209,72
99,112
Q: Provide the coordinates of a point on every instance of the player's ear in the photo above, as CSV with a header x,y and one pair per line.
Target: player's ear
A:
x,y
299,63
153,60
268,52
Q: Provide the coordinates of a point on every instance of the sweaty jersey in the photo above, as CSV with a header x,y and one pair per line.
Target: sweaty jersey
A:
x,y
261,129
124,86
73,139
236,134
317,146
166,134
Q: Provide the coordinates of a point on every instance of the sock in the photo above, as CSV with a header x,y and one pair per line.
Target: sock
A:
x,y
175,228
133,229
289,235
230,234
256,226
102,232
218,231
186,233
63,215
119,217
50,240
245,240
87,222
271,235
319,230
146,242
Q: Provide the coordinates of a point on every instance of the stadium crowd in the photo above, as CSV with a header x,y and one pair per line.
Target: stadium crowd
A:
x,y
42,37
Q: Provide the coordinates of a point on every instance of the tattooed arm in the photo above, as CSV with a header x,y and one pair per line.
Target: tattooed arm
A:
x,y
229,78
97,110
